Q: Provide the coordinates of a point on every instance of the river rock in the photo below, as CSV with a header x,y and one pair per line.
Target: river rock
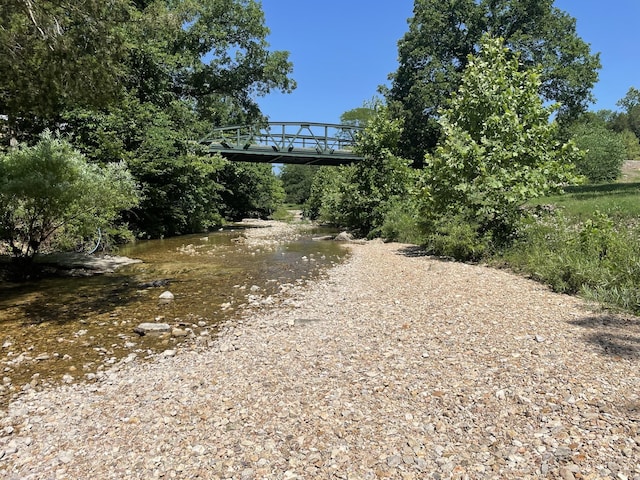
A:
x,y
145,328
166,295
178,332
344,237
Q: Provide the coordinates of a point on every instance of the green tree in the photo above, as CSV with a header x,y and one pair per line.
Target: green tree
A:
x,y
59,54
605,151
51,190
190,66
360,196
297,181
498,148
631,145
361,116
434,53
253,190
630,118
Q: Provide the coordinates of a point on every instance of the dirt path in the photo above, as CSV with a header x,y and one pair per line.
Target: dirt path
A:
x,y
396,365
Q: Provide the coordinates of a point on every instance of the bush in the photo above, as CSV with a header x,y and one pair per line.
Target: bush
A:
x,y
605,150
457,238
50,190
595,258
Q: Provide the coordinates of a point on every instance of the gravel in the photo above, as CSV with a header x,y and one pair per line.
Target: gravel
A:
x,y
395,365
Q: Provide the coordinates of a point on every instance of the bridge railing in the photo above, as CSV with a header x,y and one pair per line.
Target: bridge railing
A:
x,y
286,137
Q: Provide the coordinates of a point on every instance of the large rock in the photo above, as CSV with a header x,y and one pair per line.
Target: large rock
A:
x,y
145,328
344,237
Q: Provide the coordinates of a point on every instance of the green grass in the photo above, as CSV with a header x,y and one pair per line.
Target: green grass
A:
x,y
589,245
620,201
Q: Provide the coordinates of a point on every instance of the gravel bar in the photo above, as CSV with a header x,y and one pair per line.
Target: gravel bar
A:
x,y
394,365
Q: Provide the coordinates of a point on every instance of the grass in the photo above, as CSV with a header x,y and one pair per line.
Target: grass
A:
x,y
620,201
589,245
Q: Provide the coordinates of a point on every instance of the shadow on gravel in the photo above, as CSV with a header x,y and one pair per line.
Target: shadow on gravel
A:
x,y
616,336
413,251
417,251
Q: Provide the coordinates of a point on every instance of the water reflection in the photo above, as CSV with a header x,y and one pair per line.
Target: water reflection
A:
x,y
74,327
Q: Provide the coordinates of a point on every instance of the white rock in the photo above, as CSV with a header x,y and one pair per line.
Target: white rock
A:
x,y
167,295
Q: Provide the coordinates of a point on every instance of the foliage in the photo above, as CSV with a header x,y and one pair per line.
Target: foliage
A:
x,y
297,181
50,189
190,67
360,196
605,152
401,221
459,238
182,193
498,150
361,116
631,145
629,119
597,257
59,54
256,191
434,53
325,194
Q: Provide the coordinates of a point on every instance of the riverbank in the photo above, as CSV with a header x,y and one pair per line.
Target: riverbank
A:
x,y
396,365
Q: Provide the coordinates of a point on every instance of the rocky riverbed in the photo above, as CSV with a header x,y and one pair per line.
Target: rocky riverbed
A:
x,y
396,365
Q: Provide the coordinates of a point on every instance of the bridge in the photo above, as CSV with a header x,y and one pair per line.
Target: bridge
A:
x,y
301,143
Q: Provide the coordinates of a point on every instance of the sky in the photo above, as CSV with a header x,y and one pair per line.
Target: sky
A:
x,y
342,50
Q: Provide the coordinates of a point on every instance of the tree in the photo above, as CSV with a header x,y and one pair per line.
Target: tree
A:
x,y
253,190
51,190
297,181
498,148
63,54
360,196
631,144
605,151
191,66
59,54
630,118
434,53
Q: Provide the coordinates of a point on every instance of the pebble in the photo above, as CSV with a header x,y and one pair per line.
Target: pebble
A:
x,y
353,396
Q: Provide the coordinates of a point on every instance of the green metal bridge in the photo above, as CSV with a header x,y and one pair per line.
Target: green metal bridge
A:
x,y
301,143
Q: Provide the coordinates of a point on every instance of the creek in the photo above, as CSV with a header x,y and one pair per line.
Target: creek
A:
x,y
72,328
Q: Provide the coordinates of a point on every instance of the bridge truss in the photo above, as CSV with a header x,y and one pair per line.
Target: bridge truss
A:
x,y
286,142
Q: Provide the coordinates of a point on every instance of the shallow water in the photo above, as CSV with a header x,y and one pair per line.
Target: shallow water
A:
x,y
71,328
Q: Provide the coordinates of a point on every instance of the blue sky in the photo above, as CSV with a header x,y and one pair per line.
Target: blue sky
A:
x,y
343,49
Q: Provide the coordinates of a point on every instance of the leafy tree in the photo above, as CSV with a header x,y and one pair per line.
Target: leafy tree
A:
x,y
190,66
434,53
254,190
631,145
51,190
59,54
297,181
324,196
360,196
180,183
630,118
605,152
498,149
361,116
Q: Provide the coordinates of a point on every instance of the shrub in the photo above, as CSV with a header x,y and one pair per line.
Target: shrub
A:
x,y
605,150
50,190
